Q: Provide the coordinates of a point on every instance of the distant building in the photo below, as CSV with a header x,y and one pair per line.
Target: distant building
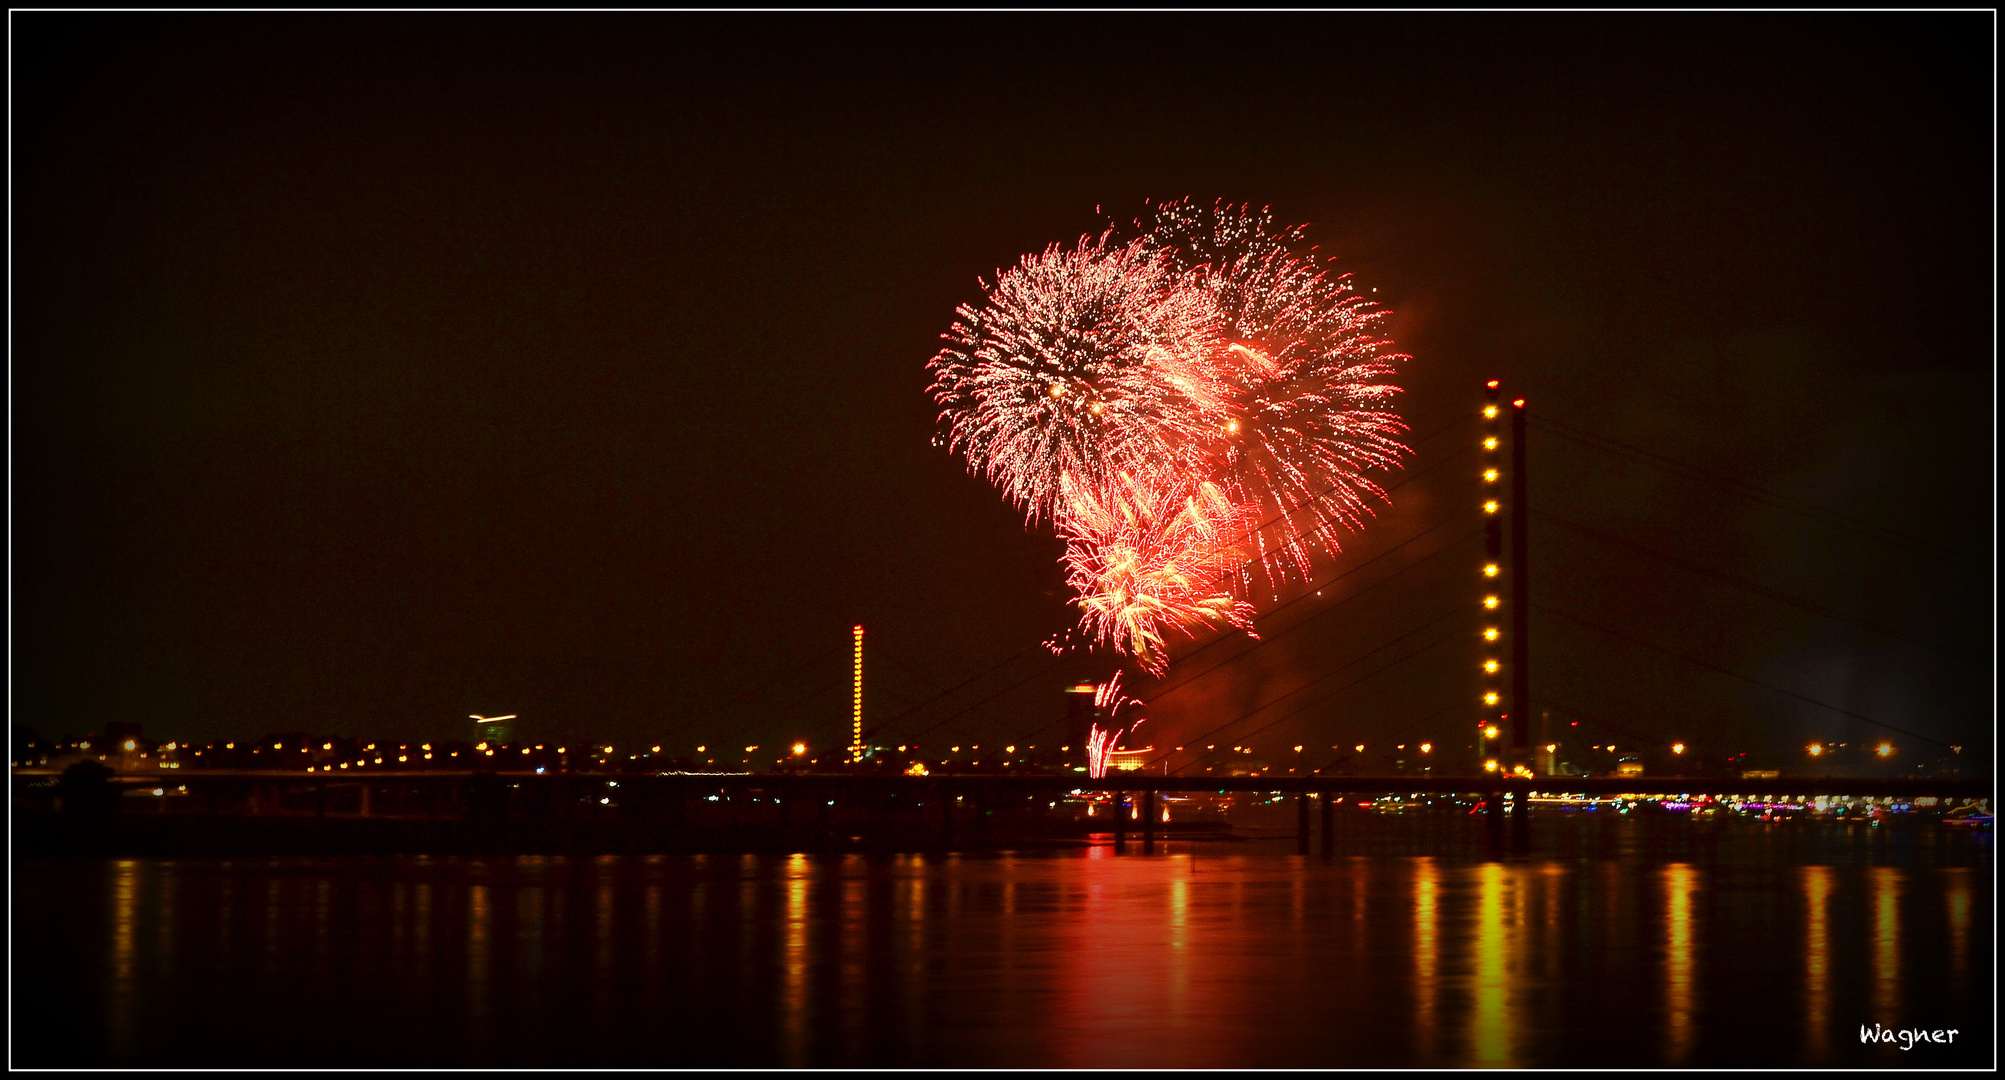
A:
x,y
496,730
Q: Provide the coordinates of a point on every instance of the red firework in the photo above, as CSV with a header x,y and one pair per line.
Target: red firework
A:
x,y
1185,408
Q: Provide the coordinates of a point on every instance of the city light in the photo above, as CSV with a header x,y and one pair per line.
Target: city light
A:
x,y
1677,748
1885,749
1490,570
1427,748
1490,633
1490,732
1490,601
1490,765
800,749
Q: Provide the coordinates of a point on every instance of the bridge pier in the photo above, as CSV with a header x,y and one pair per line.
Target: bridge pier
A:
x,y
1493,818
1149,822
1302,824
1521,821
1329,809
1120,821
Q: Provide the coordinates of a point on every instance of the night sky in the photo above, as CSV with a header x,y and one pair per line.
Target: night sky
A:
x,y
371,371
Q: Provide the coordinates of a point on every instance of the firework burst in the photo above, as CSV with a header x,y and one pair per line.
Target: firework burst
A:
x,y
1301,370
1062,373
1146,557
1191,408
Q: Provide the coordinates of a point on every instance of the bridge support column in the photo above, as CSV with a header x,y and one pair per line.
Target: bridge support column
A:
x,y
946,819
1149,821
1493,817
1521,821
365,799
1329,809
1120,821
1302,824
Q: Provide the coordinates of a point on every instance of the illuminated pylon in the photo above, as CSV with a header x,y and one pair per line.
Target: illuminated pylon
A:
x,y
1504,725
856,698
1491,716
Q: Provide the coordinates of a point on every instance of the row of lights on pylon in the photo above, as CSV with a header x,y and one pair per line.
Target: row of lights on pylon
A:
x,y
1493,570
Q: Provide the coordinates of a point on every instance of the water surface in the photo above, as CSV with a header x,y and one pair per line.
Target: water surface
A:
x,y
1220,956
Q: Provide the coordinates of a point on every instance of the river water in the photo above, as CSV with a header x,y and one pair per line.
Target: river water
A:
x,y
1206,955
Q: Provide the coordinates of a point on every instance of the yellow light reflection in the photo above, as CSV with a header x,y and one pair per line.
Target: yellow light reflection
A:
x,y
124,905
1490,1019
794,1007
1886,941
1816,959
1426,924
1957,895
1679,959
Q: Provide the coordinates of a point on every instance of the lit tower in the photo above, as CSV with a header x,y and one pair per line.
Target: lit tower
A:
x,y
1493,714
1507,702
856,697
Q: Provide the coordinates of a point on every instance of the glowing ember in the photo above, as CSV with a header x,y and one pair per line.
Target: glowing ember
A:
x,y
1100,742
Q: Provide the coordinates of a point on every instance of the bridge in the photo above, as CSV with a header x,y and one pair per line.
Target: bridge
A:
x,y
505,803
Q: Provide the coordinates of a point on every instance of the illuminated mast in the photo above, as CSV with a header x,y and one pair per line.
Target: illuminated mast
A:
x,y
856,698
1500,706
1493,564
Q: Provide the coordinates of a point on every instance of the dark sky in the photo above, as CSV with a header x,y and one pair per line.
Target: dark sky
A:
x,y
370,371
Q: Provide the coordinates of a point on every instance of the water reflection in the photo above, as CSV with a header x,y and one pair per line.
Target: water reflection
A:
x,y
476,965
794,1005
1956,894
1886,886
1179,956
1679,881
1027,960
602,936
124,915
1490,1020
1817,886
1426,923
